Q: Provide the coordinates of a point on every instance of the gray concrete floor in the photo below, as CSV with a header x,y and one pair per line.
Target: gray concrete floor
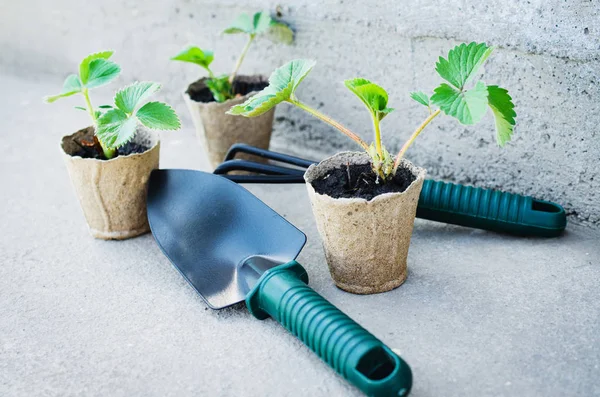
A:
x,y
481,314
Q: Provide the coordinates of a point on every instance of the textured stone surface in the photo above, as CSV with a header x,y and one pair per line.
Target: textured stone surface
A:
x,y
481,314
548,56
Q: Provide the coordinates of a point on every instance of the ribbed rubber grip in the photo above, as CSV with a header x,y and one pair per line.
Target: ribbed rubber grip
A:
x,y
490,209
353,352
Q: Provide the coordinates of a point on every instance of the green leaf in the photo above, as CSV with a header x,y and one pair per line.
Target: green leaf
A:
x,y
220,88
384,112
292,72
101,72
283,83
105,107
462,63
242,24
115,128
71,86
84,66
131,97
80,108
159,116
262,102
467,106
195,55
261,22
373,96
503,108
257,24
279,32
420,97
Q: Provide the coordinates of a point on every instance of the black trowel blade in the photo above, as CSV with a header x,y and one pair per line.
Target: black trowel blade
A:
x,y
216,233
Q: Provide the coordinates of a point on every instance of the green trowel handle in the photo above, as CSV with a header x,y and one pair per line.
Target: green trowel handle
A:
x,y
490,209
283,294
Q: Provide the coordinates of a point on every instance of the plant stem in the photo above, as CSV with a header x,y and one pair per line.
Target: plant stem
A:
x,y
413,137
377,136
377,165
108,152
330,121
88,105
241,59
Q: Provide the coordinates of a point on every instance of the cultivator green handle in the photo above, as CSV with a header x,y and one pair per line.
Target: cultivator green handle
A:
x,y
490,209
283,294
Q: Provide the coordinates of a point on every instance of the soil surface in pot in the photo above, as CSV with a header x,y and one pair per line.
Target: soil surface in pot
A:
x,y
85,146
242,85
359,181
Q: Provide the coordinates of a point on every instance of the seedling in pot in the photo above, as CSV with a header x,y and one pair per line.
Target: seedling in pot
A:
x,y
115,125
261,24
467,104
366,246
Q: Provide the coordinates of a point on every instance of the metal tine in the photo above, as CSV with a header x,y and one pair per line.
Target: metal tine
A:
x,y
277,179
251,166
271,173
280,157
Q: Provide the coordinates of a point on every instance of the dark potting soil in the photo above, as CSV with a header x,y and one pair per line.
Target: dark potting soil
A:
x,y
363,182
199,92
131,148
89,148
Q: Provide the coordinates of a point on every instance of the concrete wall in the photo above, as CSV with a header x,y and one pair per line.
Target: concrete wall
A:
x,y
547,56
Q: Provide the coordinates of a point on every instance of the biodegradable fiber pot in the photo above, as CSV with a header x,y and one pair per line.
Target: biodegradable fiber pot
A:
x,y
216,130
112,193
365,242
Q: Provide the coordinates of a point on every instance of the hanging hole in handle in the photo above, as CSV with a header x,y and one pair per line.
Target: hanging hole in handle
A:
x,y
376,364
545,206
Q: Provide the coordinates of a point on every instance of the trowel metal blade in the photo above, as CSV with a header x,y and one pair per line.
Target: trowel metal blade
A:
x,y
217,234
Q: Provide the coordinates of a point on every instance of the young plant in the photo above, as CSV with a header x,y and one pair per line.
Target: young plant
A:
x,y
118,125
468,106
261,24
95,70
114,126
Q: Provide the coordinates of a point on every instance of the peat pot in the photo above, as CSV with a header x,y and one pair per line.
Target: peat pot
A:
x,y
365,242
216,130
112,193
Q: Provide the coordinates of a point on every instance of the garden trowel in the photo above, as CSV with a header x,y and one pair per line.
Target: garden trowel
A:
x,y
232,247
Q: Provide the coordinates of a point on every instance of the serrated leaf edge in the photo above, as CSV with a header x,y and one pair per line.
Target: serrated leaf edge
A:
x,y
441,61
415,95
161,129
131,85
459,94
128,140
86,85
264,106
497,114
91,57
